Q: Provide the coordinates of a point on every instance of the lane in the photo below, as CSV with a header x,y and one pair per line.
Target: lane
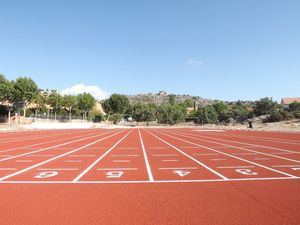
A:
x,y
224,159
171,163
286,136
258,143
124,162
52,156
289,155
12,150
262,137
38,135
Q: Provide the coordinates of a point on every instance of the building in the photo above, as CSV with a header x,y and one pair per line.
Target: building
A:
x,y
285,102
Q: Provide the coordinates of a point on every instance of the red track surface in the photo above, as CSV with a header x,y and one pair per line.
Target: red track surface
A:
x,y
149,176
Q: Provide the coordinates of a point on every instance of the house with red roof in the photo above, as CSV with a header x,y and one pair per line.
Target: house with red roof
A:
x,y
285,102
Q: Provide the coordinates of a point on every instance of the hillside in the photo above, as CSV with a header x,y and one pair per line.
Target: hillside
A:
x,y
163,97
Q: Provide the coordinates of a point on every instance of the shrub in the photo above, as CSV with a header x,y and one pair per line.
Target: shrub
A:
x,y
274,117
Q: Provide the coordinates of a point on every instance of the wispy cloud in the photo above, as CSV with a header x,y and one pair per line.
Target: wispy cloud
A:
x,y
97,92
195,62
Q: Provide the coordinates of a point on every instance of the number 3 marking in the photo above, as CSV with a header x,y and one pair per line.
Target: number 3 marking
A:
x,y
46,174
246,172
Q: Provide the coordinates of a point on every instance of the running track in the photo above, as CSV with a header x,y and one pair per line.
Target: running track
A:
x,y
149,176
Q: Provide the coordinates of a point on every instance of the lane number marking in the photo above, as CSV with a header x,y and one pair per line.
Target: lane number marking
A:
x,y
114,174
181,173
246,172
46,174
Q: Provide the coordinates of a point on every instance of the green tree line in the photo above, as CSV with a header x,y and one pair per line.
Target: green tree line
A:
x,y
23,91
17,95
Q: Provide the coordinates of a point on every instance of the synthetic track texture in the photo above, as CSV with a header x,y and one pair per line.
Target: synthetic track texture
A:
x,y
149,176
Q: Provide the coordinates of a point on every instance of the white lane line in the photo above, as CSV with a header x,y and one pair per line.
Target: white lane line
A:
x,y
112,169
170,160
201,154
99,159
178,168
217,159
283,153
147,181
47,142
269,139
53,147
232,156
234,167
150,176
81,155
21,161
121,161
188,147
57,157
190,157
286,166
8,169
238,142
73,161
163,155
244,153
51,169
125,155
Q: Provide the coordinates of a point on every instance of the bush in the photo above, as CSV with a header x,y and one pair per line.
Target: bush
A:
x,y
116,118
297,114
274,117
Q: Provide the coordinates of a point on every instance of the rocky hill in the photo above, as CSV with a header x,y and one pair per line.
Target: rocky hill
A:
x,y
163,97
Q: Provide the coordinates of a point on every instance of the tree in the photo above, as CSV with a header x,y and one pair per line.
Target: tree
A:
x,y
223,111
55,102
207,114
6,93
69,102
171,114
189,103
265,106
144,112
118,103
24,90
6,90
295,106
172,99
40,100
85,103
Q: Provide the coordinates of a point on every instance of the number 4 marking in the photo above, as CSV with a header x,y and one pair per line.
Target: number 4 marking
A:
x,y
246,172
46,174
181,172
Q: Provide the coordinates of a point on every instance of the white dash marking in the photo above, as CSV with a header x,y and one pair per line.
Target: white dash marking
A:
x,y
121,161
117,169
21,161
178,168
165,155
73,161
234,167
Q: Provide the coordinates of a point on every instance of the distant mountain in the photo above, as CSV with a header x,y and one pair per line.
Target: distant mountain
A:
x,y
163,97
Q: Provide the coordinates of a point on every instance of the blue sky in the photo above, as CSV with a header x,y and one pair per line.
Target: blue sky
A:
x,y
229,50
